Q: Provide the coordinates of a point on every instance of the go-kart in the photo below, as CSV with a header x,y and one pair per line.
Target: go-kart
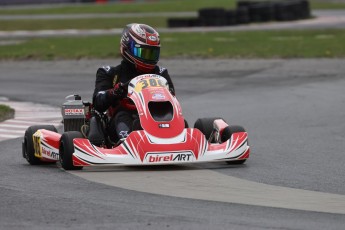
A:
x,y
163,136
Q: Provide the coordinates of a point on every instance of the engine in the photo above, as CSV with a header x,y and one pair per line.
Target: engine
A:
x,y
75,113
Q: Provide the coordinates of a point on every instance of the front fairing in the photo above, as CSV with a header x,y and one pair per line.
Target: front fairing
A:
x,y
159,111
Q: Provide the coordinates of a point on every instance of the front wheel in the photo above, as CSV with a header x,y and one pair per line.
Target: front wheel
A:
x,y
67,150
205,125
237,162
226,135
28,144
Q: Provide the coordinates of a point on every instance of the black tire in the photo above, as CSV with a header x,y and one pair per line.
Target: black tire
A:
x,y
178,22
226,135
28,145
205,125
246,3
67,149
231,17
183,22
305,8
238,162
261,12
212,16
228,131
287,10
242,15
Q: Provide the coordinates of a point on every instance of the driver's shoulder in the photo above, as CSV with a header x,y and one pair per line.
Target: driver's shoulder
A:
x,y
160,70
109,70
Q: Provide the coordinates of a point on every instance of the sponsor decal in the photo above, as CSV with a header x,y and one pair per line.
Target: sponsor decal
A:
x,y
158,96
74,111
154,91
125,38
139,31
161,69
106,68
123,134
152,38
37,143
50,154
164,125
169,157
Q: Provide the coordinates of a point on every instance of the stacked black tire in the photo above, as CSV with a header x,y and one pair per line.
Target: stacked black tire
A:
x,y
247,12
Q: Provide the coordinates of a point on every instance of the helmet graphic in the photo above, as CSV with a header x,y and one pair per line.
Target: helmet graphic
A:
x,y
140,45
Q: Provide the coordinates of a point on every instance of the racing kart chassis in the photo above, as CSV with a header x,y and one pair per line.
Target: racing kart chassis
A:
x,y
163,137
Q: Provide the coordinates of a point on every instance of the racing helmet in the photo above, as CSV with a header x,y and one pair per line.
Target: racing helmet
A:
x,y
140,45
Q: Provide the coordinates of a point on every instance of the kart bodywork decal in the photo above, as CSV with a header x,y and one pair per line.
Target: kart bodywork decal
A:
x,y
46,145
139,149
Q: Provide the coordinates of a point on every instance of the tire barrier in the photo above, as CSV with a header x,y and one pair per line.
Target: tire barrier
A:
x,y
212,16
242,15
261,12
183,22
292,10
247,12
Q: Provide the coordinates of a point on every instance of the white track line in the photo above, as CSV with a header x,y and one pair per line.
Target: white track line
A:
x,y
27,114
29,122
9,136
13,126
11,131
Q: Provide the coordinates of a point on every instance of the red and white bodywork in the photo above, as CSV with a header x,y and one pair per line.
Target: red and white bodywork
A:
x,y
164,139
46,145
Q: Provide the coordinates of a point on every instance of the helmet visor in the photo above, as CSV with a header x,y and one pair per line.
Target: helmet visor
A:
x,y
146,53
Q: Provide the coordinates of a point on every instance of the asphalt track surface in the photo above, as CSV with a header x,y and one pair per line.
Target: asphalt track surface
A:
x,y
293,110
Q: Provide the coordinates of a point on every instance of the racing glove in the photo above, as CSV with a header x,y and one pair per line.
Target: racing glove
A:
x,y
117,92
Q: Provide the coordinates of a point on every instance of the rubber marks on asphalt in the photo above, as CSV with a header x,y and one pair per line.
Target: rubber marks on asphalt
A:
x,y
27,114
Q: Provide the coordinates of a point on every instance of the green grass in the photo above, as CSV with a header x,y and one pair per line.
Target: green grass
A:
x,y
257,44
147,6
254,44
325,4
6,112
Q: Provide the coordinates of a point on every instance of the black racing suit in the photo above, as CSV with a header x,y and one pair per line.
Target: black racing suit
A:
x,y
106,78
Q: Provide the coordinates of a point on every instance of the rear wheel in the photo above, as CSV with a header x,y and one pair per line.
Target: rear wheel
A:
x,y
205,125
226,135
28,144
67,149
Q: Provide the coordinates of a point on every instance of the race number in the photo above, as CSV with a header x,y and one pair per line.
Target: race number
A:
x,y
37,146
143,84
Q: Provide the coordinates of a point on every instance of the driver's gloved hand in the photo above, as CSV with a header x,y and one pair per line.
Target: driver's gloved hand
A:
x,y
117,92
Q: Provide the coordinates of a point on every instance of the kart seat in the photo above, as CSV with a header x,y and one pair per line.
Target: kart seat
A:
x,y
96,134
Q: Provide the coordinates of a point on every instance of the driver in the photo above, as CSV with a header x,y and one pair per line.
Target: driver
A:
x,y
140,49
